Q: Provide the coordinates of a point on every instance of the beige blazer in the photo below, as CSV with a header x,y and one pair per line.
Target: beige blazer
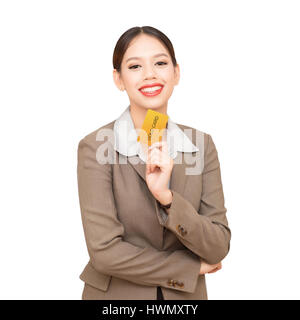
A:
x,y
132,248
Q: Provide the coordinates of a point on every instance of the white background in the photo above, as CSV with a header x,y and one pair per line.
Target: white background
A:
x,y
240,81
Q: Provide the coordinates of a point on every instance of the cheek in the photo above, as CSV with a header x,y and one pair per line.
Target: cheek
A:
x,y
167,75
131,80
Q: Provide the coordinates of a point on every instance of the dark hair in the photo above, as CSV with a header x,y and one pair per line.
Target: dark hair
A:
x,y
125,39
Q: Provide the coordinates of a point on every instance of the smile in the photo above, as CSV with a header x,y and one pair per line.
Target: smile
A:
x,y
151,91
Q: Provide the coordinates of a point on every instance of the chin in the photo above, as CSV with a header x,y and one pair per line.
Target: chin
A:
x,y
152,104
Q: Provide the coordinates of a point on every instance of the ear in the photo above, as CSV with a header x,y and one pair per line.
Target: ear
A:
x,y
118,80
177,74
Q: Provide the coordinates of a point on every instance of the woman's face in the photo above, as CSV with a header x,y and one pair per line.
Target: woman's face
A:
x,y
146,61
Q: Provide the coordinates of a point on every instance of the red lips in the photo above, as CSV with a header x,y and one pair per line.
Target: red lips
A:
x,y
151,85
152,93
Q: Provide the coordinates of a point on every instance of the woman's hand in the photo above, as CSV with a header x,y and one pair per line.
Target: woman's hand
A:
x,y
209,268
159,167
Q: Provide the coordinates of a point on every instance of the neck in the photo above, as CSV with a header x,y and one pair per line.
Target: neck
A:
x,y
138,114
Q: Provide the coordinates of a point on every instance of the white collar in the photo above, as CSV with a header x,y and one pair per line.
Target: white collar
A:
x,y
126,138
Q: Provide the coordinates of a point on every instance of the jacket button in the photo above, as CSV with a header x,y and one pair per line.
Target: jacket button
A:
x,y
171,283
181,230
179,227
180,284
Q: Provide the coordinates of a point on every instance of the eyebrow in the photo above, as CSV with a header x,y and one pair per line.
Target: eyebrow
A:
x,y
156,55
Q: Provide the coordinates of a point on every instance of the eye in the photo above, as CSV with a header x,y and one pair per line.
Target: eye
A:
x,y
133,67
163,63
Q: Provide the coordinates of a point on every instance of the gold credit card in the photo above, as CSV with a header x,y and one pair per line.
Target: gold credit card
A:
x,y
153,127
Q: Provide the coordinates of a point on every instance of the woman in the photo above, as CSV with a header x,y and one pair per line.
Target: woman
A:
x,y
153,229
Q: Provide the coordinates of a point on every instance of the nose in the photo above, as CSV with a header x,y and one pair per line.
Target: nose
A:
x,y
149,71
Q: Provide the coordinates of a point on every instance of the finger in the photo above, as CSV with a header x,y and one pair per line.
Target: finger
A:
x,y
162,151
155,154
152,161
162,146
148,155
153,166
159,145
214,270
165,147
147,167
157,157
152,150
148,162
218,267
155,162
156,151
155,145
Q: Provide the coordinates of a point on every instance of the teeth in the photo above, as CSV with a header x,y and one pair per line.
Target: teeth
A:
x,y
151,89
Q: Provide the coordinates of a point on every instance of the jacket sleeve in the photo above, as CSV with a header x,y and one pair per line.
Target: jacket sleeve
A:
x,y
204,232
109,253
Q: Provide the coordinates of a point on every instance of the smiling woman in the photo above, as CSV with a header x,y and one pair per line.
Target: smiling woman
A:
x,y
152,230
145,66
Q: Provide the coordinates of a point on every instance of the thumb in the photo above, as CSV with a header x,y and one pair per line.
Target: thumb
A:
x,y
164,147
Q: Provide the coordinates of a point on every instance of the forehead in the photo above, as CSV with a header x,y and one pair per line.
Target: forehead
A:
x,y
144,46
